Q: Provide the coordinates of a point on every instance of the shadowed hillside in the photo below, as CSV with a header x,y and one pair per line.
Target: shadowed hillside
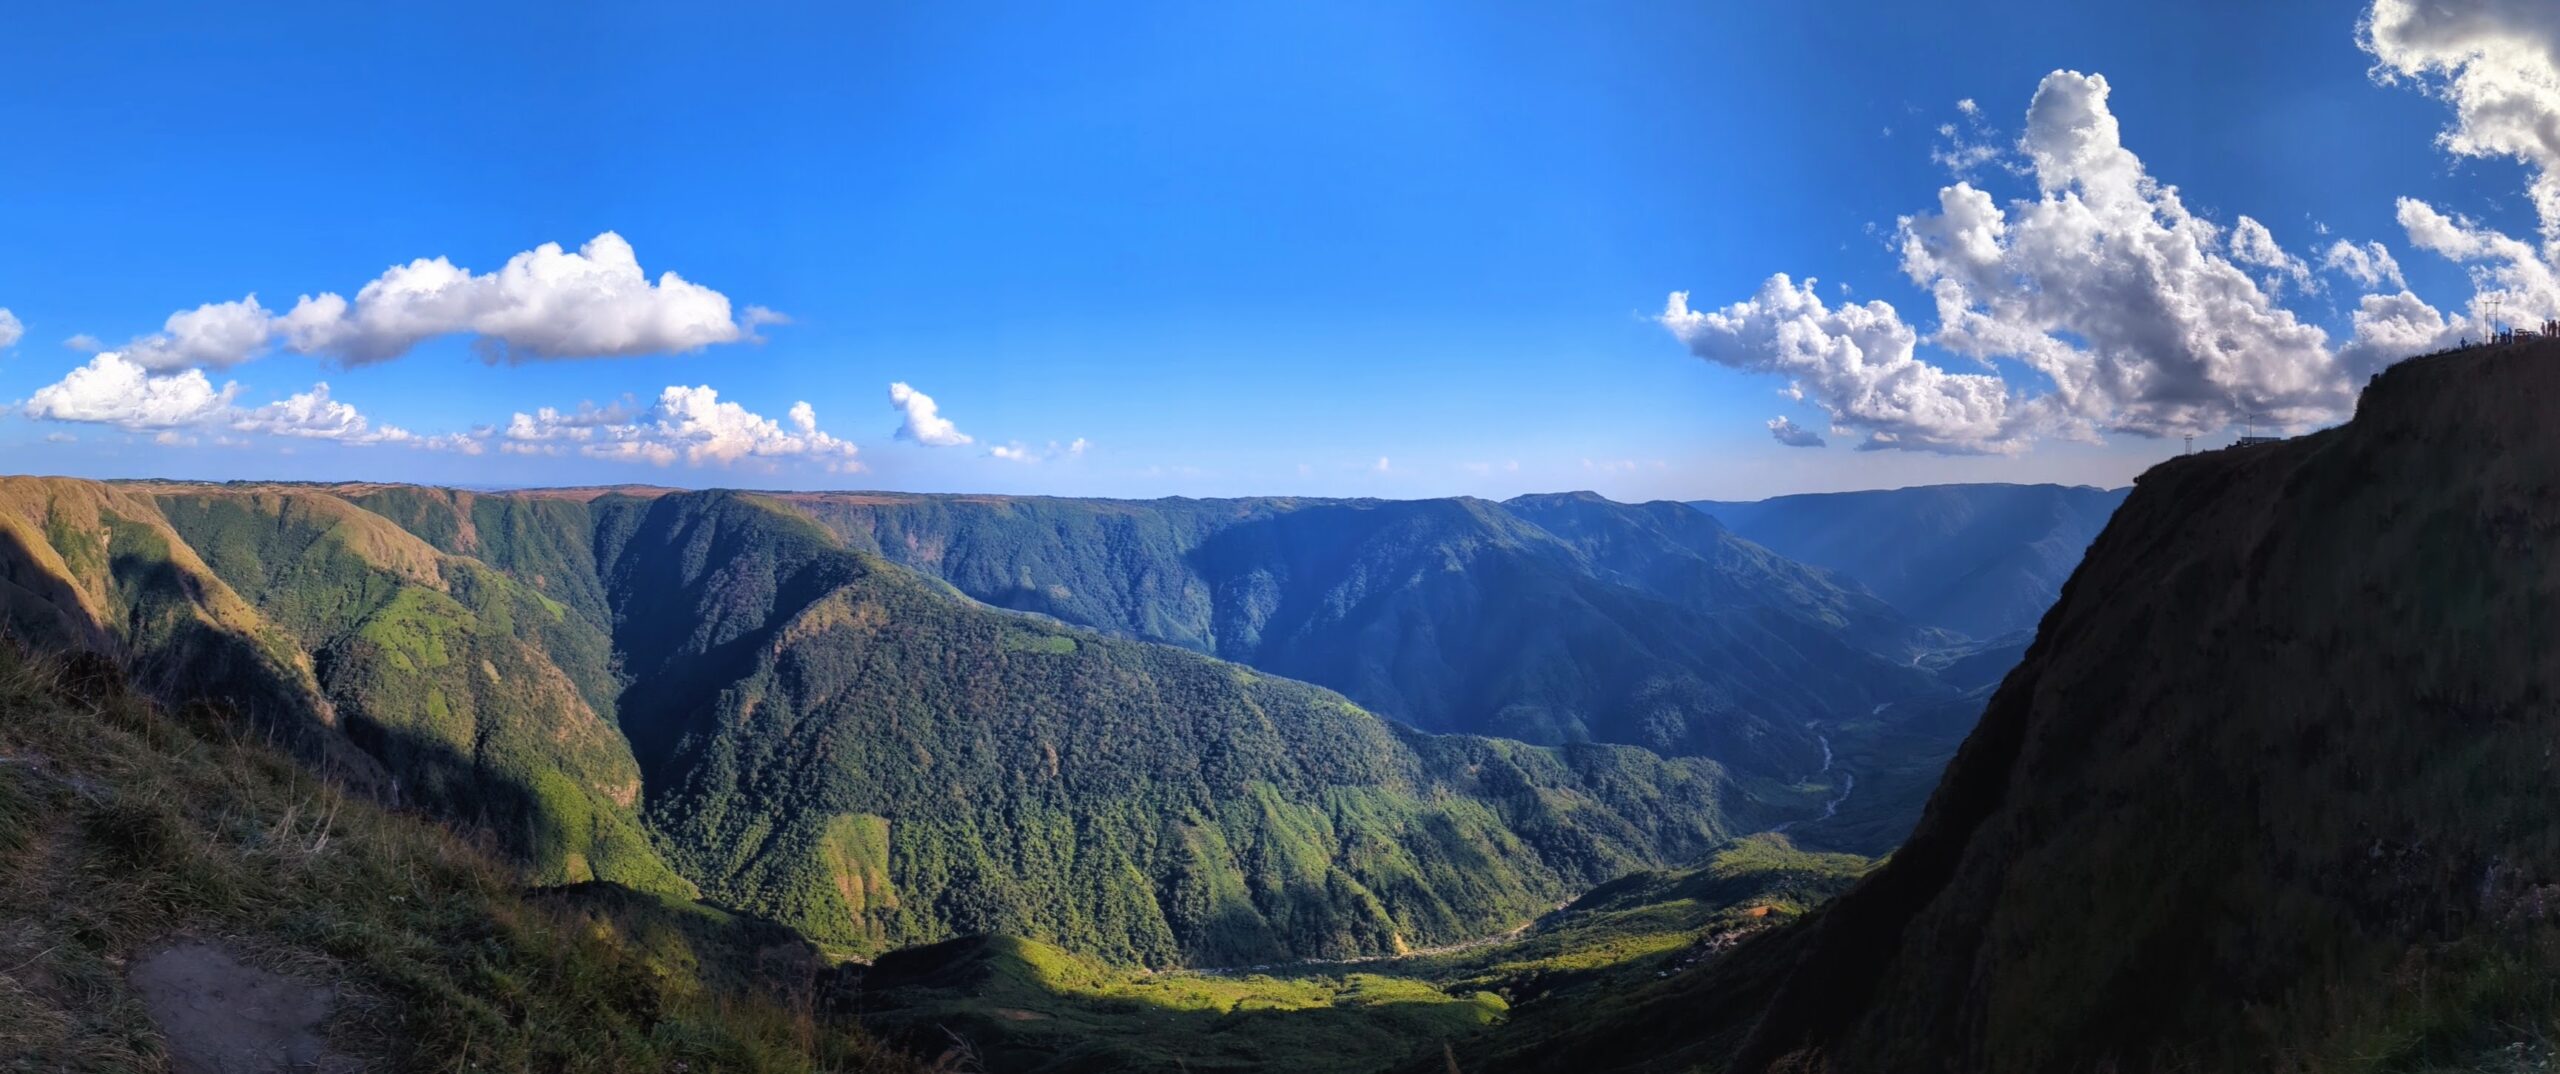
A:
x,y
1984,560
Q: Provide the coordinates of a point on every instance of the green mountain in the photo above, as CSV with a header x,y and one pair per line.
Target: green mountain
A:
x,y
1982,560
710,691
427,678
2269,792
1546,619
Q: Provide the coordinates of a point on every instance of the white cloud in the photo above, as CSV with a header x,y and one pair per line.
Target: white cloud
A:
x,y
545,303
2497,62
2510,282
315,415
2125,304
2391,327
1854,361
1381,466
550,424
689,424
1018,452
84,343
2252,244
111,390
924,422
216,335
1964,150
10,330
2369,265
1793,435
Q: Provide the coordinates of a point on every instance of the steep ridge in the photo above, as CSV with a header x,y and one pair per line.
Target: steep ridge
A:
x,y
486,701
2268,792
1454,615
427,679
1984,560
94,567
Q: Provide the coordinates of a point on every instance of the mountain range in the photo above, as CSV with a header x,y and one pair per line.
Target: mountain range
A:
x,y
714,694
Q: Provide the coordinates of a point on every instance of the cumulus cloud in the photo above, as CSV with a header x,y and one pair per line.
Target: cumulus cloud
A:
x,y
84,343
2369,265
924,422
216,335
545,303
2497,62
111,390
692,424
114,390
2510,280
10,330
2133,314
2252,244
315,415
1854,361
2395,326
1793,435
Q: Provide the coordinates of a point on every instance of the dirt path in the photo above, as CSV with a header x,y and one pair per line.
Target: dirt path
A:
x,y
224,1016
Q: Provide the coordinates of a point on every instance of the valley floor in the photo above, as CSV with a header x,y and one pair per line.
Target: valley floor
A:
x,y
1025,1006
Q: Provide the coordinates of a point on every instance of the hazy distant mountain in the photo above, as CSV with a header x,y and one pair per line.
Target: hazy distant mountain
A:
x,y
1985,560
1549,619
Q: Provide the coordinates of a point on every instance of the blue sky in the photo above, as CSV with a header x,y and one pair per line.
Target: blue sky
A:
x,y
1233,249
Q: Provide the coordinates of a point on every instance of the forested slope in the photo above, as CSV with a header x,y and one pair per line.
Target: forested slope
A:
x,y
845,745
1548,619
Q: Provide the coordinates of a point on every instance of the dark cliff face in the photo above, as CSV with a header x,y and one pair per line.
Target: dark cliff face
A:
x,y
2271,789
